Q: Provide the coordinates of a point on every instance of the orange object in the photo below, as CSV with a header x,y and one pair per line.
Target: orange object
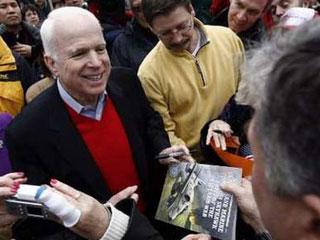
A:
x,y
233,159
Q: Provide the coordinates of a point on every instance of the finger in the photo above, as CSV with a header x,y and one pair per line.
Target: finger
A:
x,y
216,140
15,175
184,149
7,191
231,188
65,189
135,197
9,178
187,158
222,141
249,178
179,148
169,160
228,133
209,136
225,128
21,180
246,183
126,193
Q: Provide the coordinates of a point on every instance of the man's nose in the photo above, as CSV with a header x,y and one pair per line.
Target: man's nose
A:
x,y
94,59
176,36
242,15
280,11
11,9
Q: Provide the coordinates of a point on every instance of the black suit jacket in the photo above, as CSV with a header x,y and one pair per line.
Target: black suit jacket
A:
x,y
44,143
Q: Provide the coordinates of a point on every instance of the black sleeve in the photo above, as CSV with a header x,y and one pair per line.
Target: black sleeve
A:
x,y
155,134
155,127
24,71
139,227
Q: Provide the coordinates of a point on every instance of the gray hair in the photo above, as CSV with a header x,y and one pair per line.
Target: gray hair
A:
x,y
57,18
284,85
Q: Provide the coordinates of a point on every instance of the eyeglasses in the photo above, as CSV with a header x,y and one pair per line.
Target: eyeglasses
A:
x,y
181,29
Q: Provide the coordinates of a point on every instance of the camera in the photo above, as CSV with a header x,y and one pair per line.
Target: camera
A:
x,y
26,208
25,203
42,202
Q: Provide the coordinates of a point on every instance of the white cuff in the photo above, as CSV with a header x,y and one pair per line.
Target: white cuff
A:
x,y
118,224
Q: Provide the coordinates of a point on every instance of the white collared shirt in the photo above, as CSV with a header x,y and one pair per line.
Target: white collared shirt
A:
x,y
94,112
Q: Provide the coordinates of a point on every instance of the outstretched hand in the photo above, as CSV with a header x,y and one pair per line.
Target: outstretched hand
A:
x,y
219,130
246,202
94,218
9,185
175,154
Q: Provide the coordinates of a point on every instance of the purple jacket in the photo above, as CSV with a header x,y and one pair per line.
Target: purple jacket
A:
x,y
5,166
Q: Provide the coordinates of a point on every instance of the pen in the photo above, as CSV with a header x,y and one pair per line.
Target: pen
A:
x,y
174,154
217,131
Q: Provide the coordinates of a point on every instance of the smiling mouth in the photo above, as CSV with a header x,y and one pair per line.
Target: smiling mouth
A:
x,y
95,78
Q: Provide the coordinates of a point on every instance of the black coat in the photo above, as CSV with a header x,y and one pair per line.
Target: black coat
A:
x,y
44,143
130,47
27,35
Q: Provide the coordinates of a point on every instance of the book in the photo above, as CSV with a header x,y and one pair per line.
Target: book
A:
x,y
191,198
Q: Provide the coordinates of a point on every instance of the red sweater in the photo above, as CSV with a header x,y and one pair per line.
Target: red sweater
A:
x,y
108,144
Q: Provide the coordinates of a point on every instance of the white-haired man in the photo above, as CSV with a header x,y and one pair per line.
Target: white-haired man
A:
x,y
94,128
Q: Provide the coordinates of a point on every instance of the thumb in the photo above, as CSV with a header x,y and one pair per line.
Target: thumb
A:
x,y
126,193
231,188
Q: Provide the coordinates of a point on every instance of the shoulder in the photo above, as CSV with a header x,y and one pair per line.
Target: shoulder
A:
x,y
219,31
35,32
122,77
121,74
35,89
224,38
122,39
154,59
36,113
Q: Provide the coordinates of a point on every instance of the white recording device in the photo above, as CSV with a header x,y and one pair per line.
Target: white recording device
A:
x,y
42,202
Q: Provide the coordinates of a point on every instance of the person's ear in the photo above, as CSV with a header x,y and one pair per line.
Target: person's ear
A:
x,y
191,10
312,202
51,64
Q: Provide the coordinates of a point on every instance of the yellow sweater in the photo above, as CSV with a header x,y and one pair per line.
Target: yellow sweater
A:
x,y
188,91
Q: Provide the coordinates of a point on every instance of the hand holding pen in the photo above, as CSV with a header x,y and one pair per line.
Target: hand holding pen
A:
x,y
175,154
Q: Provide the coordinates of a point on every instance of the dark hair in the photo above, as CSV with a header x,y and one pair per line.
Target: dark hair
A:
x,y
29,7
153,8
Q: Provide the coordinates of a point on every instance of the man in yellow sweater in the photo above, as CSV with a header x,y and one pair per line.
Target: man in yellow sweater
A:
x,y
192,72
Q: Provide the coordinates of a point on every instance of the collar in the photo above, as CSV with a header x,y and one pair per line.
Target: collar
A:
x,y
94,112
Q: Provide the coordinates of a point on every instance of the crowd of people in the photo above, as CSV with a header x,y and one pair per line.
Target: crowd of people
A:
x,y
92,92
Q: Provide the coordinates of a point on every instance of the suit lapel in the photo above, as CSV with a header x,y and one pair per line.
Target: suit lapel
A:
x,y
71,146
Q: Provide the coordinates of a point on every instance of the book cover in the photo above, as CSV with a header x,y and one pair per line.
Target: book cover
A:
x,y
191,198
